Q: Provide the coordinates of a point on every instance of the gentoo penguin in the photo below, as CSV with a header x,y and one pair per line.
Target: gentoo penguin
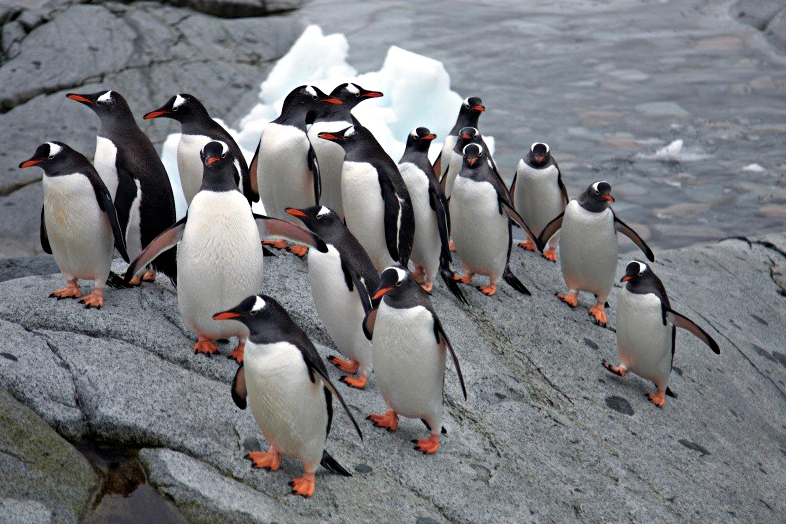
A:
x,y
79,224
377,206
539,194
286,383
430,250
285,165
330,155
409,355
647,330
340,282
467,135
132,171
468,116
588,246
197,129
220,252
481,212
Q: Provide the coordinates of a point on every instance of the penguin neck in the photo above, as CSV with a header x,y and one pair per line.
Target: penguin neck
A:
x,y
468,119
118,126
649,285
294,115
417,156
335,113
592,204
219,180
198,123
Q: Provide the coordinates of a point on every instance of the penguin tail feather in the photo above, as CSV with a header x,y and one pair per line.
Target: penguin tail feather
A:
x,y
514,282
166,263
330,464
447,276
267,253
671,393
116,281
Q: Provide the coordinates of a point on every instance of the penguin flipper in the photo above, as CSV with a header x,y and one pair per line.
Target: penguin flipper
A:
x,y
437,167
512,189
368,323
166,240
687,324
313,166
353,279
514,282
273,227
515,217
623,228
439,332
106,205
44,236
252,170
322,372
239,391
393,214
562,188
549,231
330,464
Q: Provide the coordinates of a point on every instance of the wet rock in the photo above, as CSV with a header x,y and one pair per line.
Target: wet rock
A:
x,y
11,268
756,13
662,109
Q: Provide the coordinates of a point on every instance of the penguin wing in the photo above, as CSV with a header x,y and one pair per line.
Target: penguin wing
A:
x,y
313,165
512,189
515,217
561,184
252,170
44,236
394,213
437,167
442,337
352,278
687,324
104,199
440,206
623,228
125,195
169,238
273,227
550,230
239,391
368,323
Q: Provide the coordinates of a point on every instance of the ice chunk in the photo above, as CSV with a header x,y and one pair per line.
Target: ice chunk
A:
x,y
754,168
675,152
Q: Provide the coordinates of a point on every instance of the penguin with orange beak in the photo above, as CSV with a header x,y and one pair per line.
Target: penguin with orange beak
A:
x,y
469,113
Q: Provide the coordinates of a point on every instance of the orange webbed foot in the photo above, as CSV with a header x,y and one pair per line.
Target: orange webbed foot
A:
x,y
427,286
303,486
300,250
388,421
71,291
528,244
355,382
347,366
451,246
571,298
275,244
659,398
617,370
205,346
466,278
149,276
418,275
427,445
94,299
237,353
488,290
269,460
136,280
550,254
599,314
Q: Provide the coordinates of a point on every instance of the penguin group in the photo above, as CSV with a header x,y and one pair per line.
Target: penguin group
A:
x,y
375,232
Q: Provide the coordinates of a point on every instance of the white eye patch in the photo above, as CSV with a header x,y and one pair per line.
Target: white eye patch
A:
x,y
258,305
311,91
54,149
323,211
353,88
106,97
179,101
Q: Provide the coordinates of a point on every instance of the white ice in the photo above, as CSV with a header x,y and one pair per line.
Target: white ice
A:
x,y
675,151
754,168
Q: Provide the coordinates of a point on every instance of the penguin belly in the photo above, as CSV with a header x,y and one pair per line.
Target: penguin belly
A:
x,y
331,162
409,364
283,177
479,231
104,162
643,342
219,262
339,309
537,198
446,153
588,250
189,163
456,161
427,243
79,232
290,410
364,210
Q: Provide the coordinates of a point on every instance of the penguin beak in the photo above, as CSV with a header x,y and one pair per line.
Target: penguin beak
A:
x,y
155,114
381,292
430,136
330,136
465,136
227,315
212,160
472,160
332,100
31,162
625,278
80,98
539,159
295,212
608,197
371,94
479,108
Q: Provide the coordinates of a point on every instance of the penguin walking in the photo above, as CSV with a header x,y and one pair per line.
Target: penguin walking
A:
x,y
285,164
79,224
588,246
468,116
430,251
220,252
340,282
647,330
539,194
409,355
197,129
481,214
330,155
132,171
286,384
377,205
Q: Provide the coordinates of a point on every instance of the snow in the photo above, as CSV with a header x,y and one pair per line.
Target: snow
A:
x,y
754,168
675,152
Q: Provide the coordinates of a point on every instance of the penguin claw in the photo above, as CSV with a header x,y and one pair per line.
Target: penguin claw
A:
x,y
488,290
93,300
300,250
347,366
275,244
427,445
464,279
388,421
149,276
354,382
269,460
427,286
659,398
67,292
528,245
237,353
136,280
571,298
303,486
550,254
617,370
599,314
205,346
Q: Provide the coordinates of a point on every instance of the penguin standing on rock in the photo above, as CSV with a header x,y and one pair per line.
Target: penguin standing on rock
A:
x,y
467,135
588,246
286,384
130,167
377,205
468,116
647,330
79,224
197,130
539,194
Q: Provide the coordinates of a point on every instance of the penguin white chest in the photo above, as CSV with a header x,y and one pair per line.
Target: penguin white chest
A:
x,y
364,210
189,163
427,243
283,177
643,341
104,162
331,161
537,198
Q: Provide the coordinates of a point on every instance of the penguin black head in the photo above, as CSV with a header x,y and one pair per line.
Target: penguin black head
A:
x,y
105,104
306,102
420,139
597,197
180,107
472,105
539,153
343,138
256,312
472,153
55,158
316,218
352,94
392,282
640,279
219,170
636,272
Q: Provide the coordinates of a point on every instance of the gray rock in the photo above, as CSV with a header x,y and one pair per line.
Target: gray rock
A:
x,y
662,109
756,13
11,268
24,512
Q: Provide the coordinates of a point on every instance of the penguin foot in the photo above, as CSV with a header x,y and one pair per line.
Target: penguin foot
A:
x,y
571,298
427,445
427,286
94,299
355,382
136,280
451,246
206,346
600,315
528,244
617,370
550,254
237,353
388,421
71,291
275,244
659,398
488,290
347,366
418,275
149,276
303,486
300,250
269,460
466,278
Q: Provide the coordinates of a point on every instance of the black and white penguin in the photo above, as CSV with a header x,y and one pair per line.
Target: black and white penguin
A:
x,y
466,135
197,129
286,384
132,171
341,280
481,214
588,246
220,253
430,251
468,116
377,205
539,194
79,224
647,330
333,117
285,164
409,355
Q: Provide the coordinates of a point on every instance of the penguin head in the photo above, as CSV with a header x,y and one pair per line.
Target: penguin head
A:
x,y
465,136
219,172
180,107
597,197
352,94
105,104
344,137
255,312
472,154
53,157
216,154
636,272
472,106
420,139
539,153
391,282
316,218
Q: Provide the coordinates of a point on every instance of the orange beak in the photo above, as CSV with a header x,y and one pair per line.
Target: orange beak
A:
x,y
334,101
31,162
212,160
155,114
471,161
295,212
608,197
372,94
430,136
330,136
625,278
479,108
465,136
381,292
226,315
79,98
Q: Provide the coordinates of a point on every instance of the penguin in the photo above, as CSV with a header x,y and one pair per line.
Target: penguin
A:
x,y
79,224
329,155
286,384
467,135
285,164
132,171
539,194
588,246
430,250
481,214
340,282
468,116
647,330
220,251
197,129
409,355
377,205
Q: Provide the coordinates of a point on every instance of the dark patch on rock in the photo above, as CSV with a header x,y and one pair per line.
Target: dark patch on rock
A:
x,y
780,357
591,344
363,468
695,447
251,444
620,405
500,396
18,267
426,520
763,352
677,370
760,320
9,356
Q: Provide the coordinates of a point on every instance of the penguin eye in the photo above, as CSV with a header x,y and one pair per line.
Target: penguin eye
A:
x,y
398,283
641,273
596,191
253,313
51,156
314,97
223,155
175,108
